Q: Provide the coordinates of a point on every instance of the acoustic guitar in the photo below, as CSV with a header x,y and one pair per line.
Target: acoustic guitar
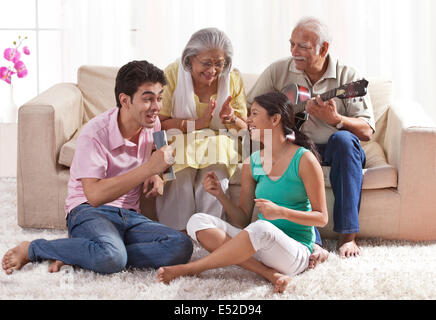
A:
x,y
299,95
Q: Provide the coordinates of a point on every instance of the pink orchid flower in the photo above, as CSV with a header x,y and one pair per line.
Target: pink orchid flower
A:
x,y
11,54
21,69
6,74
26,50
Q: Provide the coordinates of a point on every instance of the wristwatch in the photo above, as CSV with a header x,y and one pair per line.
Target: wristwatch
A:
x,y
340,124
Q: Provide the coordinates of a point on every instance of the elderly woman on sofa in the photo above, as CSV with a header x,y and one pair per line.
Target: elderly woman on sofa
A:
x,y
202,92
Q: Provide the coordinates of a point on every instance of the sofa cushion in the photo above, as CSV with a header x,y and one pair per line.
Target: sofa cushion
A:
x,y
67,151
249,79
377,174
381,93
97,84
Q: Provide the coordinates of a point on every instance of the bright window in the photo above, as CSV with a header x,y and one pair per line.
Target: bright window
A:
x,y
39,20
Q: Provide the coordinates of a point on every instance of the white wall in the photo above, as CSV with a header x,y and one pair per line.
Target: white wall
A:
x,y
388,38
394,39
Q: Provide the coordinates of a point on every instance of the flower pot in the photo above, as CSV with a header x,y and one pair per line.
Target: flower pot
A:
x,y
9,112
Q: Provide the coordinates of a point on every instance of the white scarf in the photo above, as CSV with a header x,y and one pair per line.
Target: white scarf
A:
x,y
183,98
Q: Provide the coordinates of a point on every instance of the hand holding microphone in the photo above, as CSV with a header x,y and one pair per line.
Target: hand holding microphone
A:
x,y
161,142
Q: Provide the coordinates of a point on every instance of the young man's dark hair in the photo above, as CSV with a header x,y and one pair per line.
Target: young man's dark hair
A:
x,y
133,74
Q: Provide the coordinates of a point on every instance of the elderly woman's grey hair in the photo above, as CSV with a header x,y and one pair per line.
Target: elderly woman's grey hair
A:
x,y
207,39
317,27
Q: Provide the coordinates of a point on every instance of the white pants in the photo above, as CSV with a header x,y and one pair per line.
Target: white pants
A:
x,y
274,248
185,195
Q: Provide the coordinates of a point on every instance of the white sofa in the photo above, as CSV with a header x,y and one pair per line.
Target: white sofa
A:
x,y
399,179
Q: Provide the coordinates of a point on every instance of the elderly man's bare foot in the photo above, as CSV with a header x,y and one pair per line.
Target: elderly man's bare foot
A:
x,y
16,258
319,255
55,266
348,246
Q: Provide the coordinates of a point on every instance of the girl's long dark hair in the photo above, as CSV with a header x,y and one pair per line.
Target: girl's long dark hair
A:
x,y
278,103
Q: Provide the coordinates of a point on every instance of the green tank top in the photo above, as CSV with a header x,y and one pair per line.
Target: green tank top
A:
x,y
288,191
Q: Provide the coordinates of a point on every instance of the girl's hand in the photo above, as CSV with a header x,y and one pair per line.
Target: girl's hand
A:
x,y
212,184
269,209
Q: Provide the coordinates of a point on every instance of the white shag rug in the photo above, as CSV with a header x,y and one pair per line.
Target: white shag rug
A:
x,y
385,270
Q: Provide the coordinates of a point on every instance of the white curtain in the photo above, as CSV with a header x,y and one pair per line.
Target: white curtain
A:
x,y
95,32
394,39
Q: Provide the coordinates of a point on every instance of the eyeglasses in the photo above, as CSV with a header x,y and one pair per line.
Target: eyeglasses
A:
x,y
302,45
209,64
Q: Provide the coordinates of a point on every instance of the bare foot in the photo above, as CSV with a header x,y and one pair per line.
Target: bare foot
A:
x,y
16,258
167,274
348,246
319,255
281,282
55,266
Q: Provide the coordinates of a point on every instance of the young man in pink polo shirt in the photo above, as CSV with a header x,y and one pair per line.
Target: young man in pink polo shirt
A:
x,y
113,164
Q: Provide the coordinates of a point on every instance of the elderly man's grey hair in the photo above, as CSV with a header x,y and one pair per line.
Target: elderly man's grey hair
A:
x,y
207,39
317,27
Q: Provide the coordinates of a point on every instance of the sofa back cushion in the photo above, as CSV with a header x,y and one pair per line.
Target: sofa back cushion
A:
x,y
97,84
381,93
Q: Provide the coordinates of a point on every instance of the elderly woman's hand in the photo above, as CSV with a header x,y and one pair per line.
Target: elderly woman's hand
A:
x,y
227,113
204,121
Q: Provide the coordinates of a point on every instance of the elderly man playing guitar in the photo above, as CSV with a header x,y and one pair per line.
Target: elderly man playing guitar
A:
x,y
309,78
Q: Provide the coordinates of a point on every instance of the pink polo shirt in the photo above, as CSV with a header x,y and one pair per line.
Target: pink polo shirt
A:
x,y
102,152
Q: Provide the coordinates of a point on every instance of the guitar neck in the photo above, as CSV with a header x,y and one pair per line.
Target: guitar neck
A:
x,y
325,96
328,95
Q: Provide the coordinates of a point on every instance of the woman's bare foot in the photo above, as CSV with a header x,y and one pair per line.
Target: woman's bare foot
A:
x,y
281,282
319,255
167,274
16,258
348,246
55,266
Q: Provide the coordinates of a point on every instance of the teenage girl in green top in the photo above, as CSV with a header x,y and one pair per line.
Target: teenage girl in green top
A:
x,y
285,182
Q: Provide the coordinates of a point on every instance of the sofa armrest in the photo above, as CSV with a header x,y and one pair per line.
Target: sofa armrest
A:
x,y
44,124
63,104
410,145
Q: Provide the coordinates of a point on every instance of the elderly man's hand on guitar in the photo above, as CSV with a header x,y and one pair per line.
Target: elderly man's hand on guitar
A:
x,y
324,110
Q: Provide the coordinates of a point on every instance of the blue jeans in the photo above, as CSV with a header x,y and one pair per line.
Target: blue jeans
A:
x,y
346,159
107,239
